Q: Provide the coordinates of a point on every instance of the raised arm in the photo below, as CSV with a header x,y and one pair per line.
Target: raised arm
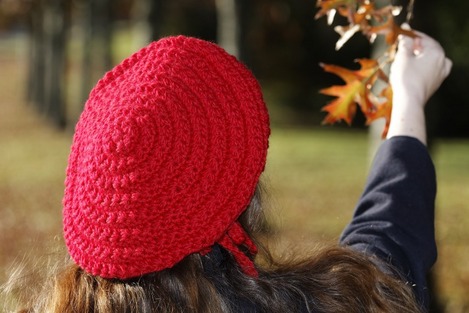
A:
x,y
394,218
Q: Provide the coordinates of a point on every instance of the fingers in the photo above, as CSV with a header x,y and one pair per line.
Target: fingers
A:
x,y
448,65
405,26
406,45
416,46
410,45
419,67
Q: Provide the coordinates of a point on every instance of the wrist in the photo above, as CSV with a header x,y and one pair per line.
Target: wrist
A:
x,y
408,119
402,96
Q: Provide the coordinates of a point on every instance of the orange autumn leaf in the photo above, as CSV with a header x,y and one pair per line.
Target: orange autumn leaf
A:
x,y
363,13
327,6
372,21
390,30
382,110
355,91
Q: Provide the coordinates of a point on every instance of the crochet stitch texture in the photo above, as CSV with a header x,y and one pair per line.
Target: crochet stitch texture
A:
x,y
165,157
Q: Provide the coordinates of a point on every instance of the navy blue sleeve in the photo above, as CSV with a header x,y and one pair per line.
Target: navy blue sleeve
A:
x,y
394,218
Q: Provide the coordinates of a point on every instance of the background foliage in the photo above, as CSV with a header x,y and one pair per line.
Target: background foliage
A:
x,y
279,40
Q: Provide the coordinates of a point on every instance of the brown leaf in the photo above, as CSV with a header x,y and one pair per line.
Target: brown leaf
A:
x,y
390,30
362,16
355,91
329,5
382,110
364,13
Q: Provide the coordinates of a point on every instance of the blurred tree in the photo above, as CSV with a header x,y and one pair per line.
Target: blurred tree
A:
x,y
155,17
232,26
49,22
13,14
227,26
447,21
35,83
244,9
57,21
285,46
278,39
97,45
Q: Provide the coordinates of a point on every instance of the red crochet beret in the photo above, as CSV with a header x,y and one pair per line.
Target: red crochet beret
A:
x,y
165,157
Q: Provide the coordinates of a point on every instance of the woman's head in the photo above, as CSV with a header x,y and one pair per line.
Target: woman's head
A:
x,y
166,156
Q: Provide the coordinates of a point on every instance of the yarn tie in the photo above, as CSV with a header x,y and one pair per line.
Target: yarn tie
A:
x,y
232,240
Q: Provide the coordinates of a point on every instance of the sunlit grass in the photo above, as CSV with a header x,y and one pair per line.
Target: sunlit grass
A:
x,y
452,222
316,177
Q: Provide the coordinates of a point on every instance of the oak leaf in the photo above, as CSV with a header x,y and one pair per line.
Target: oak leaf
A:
x,y
382,110
369,19
328,7
390,30
355,91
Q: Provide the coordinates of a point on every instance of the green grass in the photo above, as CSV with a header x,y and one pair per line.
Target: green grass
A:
x,y
314,178
452,221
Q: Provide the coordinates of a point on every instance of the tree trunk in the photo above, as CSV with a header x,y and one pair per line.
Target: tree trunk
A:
x,y
155,18
143,25
227,31
45,84
97,43
243,10
56,22
376,128
35,82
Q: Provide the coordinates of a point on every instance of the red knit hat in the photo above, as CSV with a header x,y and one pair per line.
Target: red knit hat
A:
x,y
165,157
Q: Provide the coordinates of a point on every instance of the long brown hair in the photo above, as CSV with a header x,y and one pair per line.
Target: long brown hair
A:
x,y
334,279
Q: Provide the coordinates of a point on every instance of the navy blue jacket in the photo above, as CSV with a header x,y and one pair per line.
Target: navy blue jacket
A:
x,y
394,218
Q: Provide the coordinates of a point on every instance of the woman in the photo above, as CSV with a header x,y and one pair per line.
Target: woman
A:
x,y
162,206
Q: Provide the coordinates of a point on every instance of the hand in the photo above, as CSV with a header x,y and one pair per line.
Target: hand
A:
x,y
419,68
